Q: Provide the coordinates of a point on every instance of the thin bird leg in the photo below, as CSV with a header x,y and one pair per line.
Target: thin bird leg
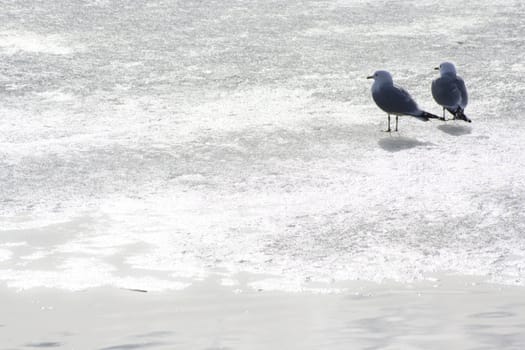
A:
x,y
444,114
396,121
388,130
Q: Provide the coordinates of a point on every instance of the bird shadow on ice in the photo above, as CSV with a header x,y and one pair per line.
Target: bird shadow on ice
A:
x,y
133,346
455,130
396,144
44,345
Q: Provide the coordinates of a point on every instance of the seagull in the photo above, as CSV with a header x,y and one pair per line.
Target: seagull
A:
x,y
395,100
450,92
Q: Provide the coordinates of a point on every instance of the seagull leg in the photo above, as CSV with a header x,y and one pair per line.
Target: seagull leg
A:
x,y
396,121
444,114
388,130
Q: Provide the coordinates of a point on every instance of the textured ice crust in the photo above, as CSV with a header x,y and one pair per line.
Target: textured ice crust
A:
x,y
150,146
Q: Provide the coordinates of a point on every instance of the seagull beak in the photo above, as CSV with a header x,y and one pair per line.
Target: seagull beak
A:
x,y
370,77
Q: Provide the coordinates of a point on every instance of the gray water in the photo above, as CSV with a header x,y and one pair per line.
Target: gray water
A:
x,y
153,144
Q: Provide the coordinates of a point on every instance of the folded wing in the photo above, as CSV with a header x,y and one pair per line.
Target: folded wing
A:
x,y
446,92
463,91
395,100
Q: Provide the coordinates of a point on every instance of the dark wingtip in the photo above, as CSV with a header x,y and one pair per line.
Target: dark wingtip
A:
x,y
431,116
459,114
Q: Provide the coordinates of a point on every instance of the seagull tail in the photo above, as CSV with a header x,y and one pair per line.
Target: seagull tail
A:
x,y
459,114
426,116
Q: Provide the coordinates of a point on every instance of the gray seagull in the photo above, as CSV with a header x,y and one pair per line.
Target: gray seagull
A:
x,y
395,100
450,92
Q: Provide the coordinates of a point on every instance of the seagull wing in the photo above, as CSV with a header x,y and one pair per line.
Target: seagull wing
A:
x,y
395,100
463,91
446,92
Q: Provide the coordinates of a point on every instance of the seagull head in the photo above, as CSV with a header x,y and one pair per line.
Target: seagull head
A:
x,y
381,77
446,68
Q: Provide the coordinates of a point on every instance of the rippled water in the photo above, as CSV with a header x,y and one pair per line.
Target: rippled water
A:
x,y
152,144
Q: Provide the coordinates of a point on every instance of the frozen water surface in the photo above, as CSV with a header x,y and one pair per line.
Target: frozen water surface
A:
x,y
151,144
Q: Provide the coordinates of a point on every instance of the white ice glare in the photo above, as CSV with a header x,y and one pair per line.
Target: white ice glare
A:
x,y
12,42
5,254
